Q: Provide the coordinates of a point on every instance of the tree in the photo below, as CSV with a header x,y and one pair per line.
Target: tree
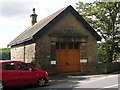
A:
x,y
104,18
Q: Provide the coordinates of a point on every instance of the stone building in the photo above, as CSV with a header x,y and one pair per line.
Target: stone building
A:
x,y
61,42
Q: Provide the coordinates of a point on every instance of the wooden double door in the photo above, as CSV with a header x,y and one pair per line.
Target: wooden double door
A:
x,y
68,60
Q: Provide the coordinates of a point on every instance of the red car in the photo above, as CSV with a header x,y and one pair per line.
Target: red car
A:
x,y
17,73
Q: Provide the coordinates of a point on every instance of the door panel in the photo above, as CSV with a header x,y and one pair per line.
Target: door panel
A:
x,y
27,77
26,74
10,77
10,74
68,60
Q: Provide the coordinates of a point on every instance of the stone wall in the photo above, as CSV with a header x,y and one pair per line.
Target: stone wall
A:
x,y
100,68
72,23
17,53
23,52
108,67
89,68
42,48
68,22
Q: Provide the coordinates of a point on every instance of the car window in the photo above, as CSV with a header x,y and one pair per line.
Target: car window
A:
x,y
22,66
8,66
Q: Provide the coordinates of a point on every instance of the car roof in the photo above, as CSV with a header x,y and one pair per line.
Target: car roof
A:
x,y
3,61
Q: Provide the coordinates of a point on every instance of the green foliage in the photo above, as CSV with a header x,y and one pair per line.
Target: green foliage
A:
x,y
5,54
104,18
5,50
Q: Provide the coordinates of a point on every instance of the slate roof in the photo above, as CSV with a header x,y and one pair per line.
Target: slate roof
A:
x,y
30,32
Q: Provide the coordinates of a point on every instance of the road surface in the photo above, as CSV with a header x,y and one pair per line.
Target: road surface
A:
x,y
91,82
98,82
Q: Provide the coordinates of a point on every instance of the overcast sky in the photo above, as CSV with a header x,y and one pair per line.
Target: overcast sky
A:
x,y
15,15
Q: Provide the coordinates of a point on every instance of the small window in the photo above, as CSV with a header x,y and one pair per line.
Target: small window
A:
x,y
70,45
63,45
60,45
24,67
57,45
8,66
76,45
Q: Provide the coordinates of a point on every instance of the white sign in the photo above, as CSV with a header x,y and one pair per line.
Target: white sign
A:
x,y
53,62
83,60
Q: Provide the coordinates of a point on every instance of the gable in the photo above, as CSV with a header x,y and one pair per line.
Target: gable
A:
x,y
69,25
42,26
84,22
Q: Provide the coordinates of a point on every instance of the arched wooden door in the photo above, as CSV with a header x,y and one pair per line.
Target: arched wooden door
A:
x,y
68,58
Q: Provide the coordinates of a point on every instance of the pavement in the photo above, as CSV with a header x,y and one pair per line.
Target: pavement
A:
x,y
77,76
72,80
72,74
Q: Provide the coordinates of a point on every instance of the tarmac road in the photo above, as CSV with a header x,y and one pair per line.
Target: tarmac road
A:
x,y
89,82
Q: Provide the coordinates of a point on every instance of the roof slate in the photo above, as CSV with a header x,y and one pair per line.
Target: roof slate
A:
x,y
33,30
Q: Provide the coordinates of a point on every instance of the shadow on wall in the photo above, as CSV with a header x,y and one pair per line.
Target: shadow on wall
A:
x,y
37,65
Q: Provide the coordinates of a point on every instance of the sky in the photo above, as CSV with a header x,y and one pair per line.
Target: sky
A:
x,y
15,15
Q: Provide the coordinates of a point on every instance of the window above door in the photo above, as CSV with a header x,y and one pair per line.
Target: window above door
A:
x,y
67,45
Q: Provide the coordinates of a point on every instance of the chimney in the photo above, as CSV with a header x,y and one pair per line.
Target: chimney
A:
x,y
33,17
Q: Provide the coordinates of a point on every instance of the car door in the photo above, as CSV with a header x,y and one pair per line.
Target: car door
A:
x,y
9,74
27,75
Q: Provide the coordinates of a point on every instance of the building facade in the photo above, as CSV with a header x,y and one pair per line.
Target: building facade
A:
x,y
62,42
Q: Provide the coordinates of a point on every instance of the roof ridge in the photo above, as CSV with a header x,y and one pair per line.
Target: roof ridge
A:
x,y
30,27
59,11
32,32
